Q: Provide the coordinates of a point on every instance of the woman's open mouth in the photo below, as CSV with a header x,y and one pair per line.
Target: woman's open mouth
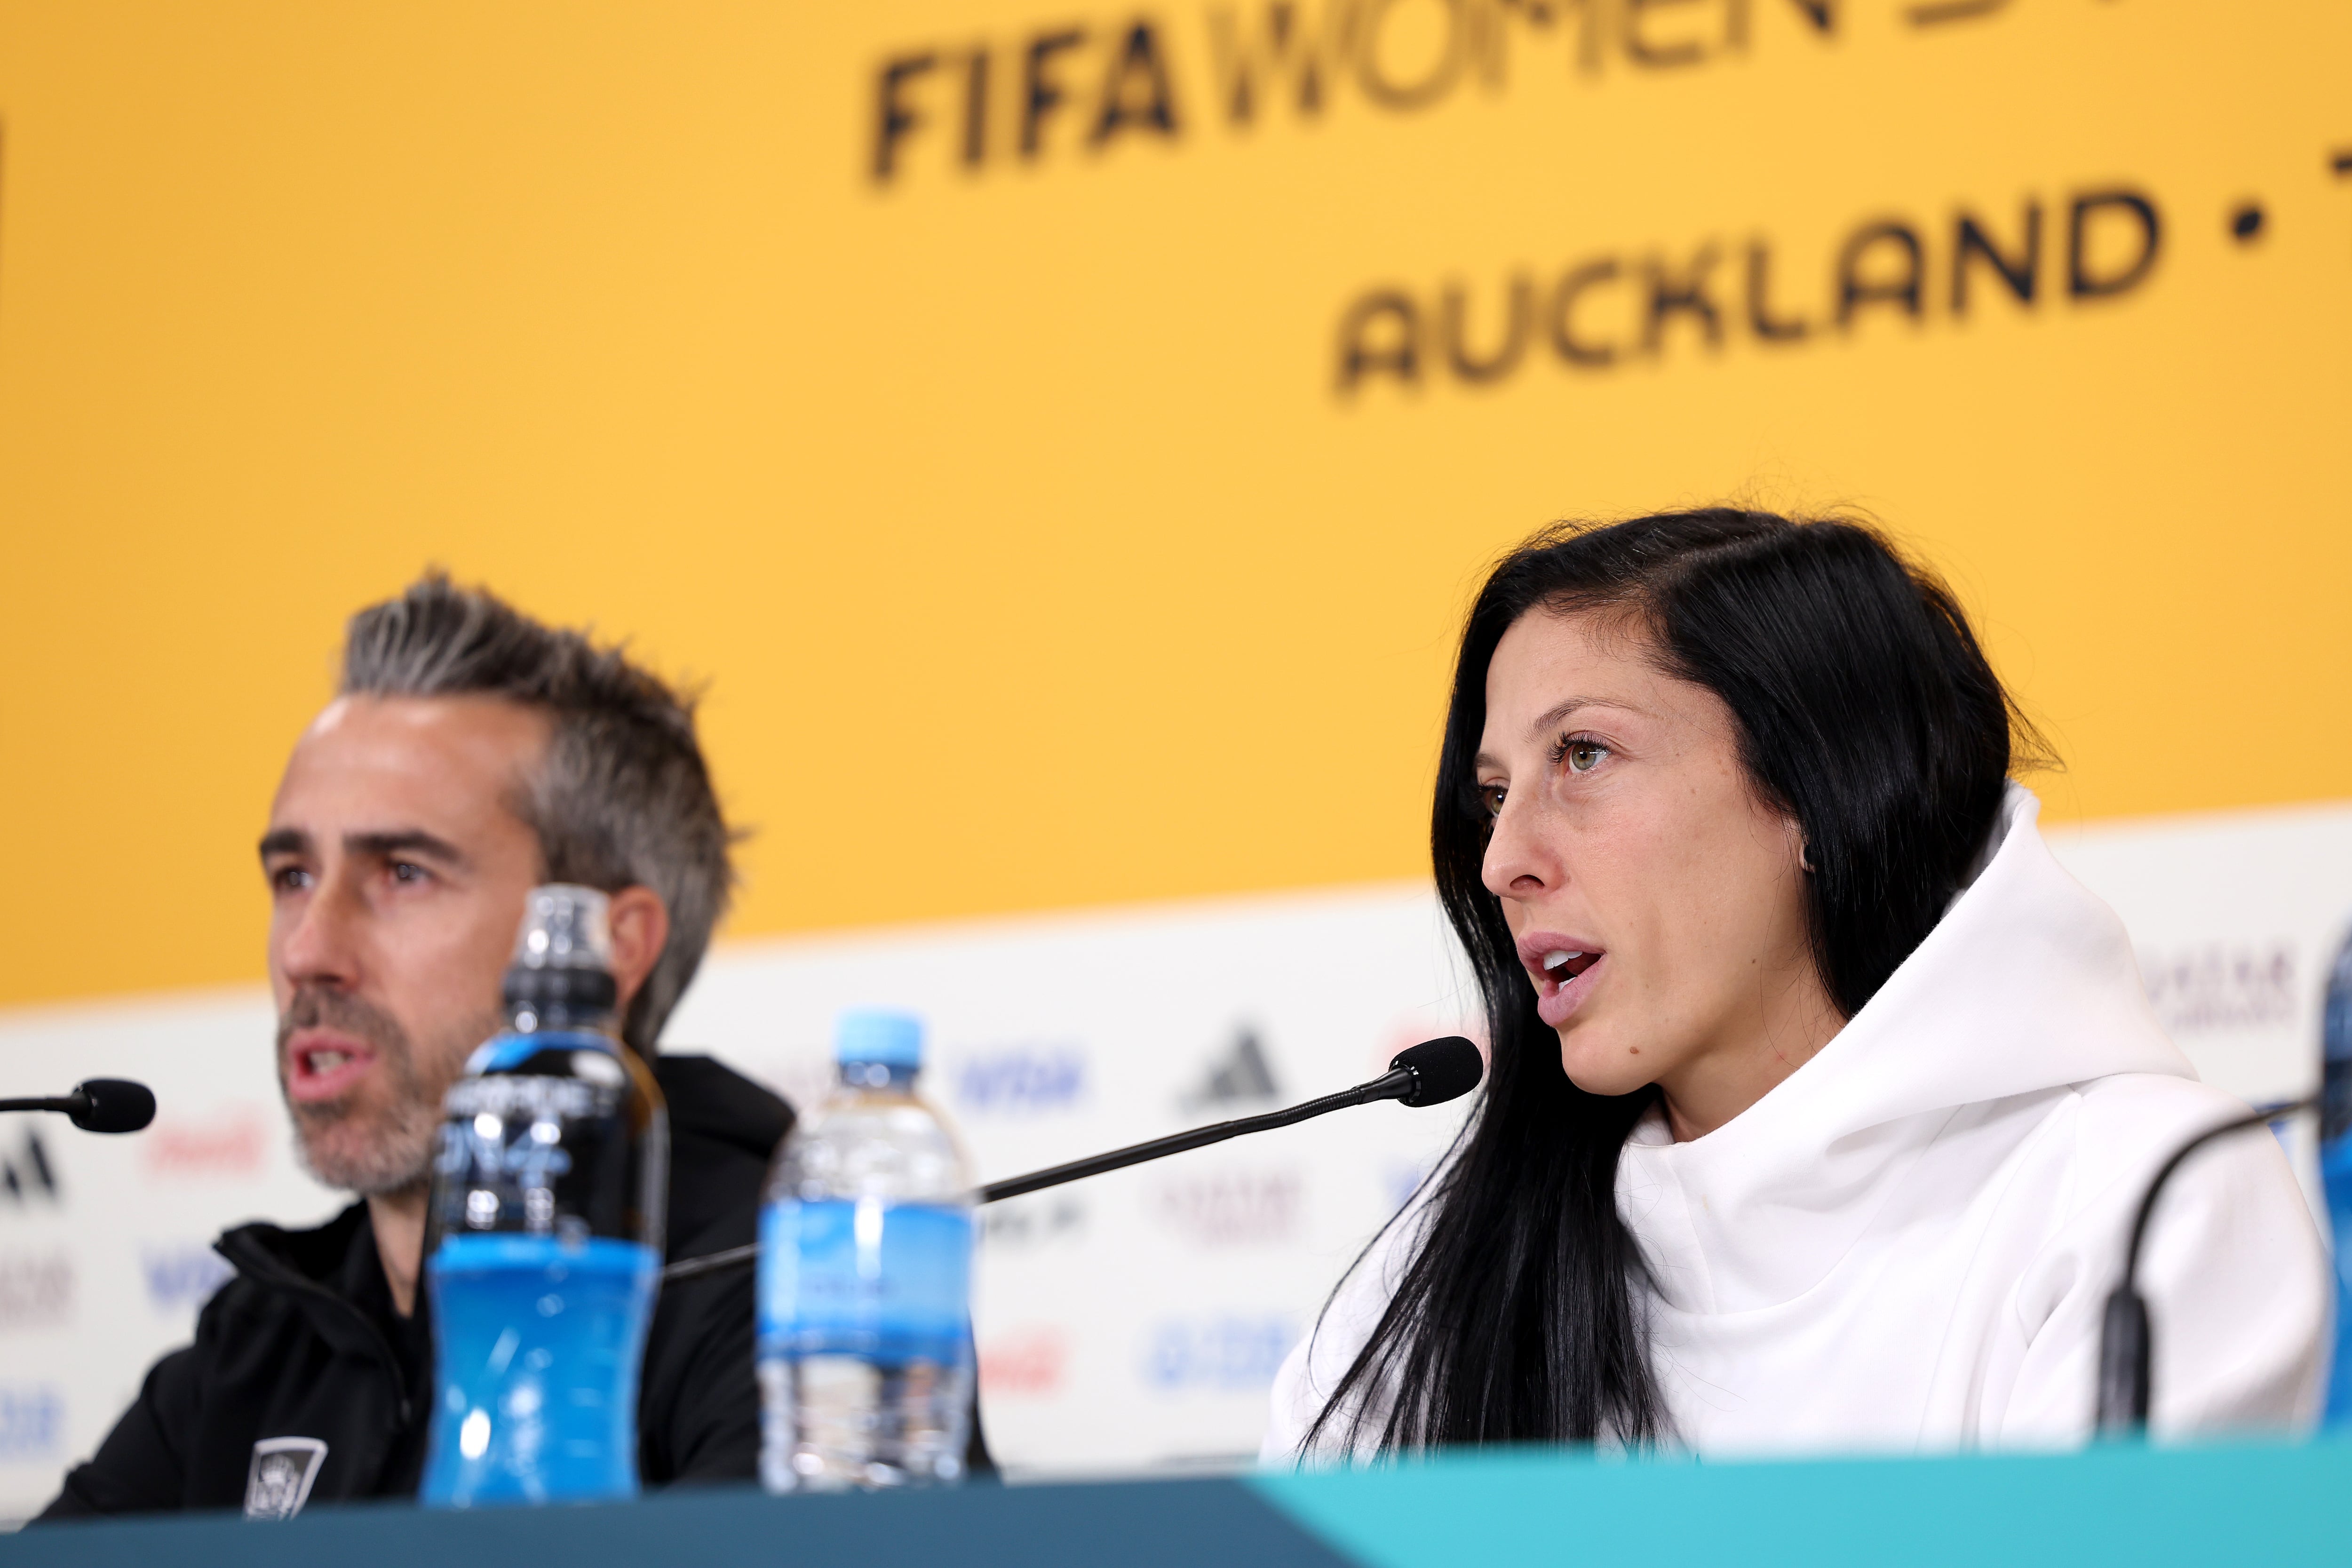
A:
x,y
1562,970
1563,964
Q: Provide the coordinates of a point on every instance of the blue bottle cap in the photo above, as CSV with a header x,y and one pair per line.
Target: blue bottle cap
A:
x,y
876,1035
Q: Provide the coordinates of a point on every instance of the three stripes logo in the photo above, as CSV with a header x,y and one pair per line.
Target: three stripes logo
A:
x,y
26,1176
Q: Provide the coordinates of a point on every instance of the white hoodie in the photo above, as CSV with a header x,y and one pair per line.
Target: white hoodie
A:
x,y
1907,1243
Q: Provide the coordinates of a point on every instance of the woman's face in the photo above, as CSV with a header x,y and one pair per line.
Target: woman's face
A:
x,y
1657,902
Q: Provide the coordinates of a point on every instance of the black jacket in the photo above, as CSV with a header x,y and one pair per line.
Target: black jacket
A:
x,y
304,1343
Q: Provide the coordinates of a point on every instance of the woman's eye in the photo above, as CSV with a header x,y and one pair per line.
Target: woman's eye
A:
x,y
1490,797
1583,756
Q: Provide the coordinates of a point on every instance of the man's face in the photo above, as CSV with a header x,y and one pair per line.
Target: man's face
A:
x,y
397,872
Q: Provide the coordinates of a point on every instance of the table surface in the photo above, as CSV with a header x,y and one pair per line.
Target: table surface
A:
x,y
2206,1506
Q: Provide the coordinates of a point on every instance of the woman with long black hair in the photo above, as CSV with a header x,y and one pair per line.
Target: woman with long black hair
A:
x,y
1821,1096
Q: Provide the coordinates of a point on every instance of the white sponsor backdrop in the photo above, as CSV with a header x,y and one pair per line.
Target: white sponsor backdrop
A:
x,y
1130,1322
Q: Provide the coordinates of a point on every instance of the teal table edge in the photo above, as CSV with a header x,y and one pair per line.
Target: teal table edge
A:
x,y
2219,1504
2206,1506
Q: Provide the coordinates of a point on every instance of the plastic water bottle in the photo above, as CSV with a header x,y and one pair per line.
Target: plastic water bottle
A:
x,y
866,1367
2336,1168
543,1234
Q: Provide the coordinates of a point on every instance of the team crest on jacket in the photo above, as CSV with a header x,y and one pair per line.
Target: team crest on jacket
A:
x,y
279,1483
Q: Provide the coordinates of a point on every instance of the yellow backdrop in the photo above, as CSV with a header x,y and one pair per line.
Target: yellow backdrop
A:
x,y
1065,436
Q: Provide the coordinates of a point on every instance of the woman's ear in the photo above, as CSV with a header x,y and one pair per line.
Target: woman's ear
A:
x,y
1798,848
640,924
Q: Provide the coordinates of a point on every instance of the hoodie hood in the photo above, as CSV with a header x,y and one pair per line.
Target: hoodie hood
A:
x,y
2028,984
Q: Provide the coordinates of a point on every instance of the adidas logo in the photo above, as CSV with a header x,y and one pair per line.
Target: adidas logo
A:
x,y
1240,1074
26,1177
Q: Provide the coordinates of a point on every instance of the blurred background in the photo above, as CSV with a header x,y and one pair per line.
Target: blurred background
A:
x,y
1064,439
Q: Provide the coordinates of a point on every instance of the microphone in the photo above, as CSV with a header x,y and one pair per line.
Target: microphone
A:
x,y
98,1105
1430,1073
2126,1343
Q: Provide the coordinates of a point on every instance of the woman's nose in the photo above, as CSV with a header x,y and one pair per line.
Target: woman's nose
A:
x,y
1517,864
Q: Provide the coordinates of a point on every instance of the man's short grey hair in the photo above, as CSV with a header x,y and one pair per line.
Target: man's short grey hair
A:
x,y
624,798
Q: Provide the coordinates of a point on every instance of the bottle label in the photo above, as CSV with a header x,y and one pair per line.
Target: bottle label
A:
x,y
547,1135
865,1277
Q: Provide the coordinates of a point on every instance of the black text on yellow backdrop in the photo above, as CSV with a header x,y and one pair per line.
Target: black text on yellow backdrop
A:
x,y
1609,310
1086,86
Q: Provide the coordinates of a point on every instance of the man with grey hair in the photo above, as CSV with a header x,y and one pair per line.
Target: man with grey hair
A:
x,y
469,754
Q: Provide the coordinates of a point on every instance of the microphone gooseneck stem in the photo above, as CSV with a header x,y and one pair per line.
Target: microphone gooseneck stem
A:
x,y
65,1105
2127,1345
711,1262
1396,1082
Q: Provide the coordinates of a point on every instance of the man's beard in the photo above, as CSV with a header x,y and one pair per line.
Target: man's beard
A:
x,y
379,1140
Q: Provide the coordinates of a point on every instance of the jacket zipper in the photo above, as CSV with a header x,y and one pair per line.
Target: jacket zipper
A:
x,y
269,1273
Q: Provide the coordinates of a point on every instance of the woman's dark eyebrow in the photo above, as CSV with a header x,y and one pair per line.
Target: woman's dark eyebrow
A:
x,y
1558,712
1552,715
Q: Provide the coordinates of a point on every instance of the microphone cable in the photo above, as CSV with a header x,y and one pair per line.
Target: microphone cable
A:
x,y
2125,1339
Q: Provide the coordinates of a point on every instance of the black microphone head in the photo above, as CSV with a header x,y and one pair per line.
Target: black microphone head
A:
x,y
112,1105
1441,1070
